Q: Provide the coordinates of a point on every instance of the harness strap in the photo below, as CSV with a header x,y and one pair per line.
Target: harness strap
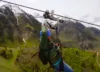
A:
x,y
53,58
59,62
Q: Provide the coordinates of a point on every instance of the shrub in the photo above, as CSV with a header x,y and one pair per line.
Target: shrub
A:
x,y
6,53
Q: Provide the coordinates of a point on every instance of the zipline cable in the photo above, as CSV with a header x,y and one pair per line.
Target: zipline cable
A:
x,y
54,14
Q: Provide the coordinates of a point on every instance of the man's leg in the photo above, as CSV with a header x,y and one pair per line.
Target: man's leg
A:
x,y
67,68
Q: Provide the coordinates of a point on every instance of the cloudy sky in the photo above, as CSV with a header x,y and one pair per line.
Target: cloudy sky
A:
x,y
87,10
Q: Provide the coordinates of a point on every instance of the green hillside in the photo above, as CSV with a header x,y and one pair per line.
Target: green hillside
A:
x,y
80,61
19,44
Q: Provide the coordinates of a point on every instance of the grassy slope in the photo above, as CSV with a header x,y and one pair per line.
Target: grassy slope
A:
x,y
9,65
81,61
99,58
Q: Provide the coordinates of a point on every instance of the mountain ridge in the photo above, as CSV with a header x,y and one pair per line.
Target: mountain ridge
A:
x,y
22,26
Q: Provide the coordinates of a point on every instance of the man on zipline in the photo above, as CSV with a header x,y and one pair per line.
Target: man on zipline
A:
x,y
50,52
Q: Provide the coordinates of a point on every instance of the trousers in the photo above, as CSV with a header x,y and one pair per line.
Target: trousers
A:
x,y
67,68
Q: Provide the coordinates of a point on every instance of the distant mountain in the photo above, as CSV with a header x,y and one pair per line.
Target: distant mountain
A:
x,y
17,26
94,31
77,35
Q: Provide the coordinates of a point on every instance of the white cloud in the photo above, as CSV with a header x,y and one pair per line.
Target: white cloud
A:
x,y
31,0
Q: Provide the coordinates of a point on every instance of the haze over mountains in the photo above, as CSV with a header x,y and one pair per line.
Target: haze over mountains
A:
x,y
17,26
